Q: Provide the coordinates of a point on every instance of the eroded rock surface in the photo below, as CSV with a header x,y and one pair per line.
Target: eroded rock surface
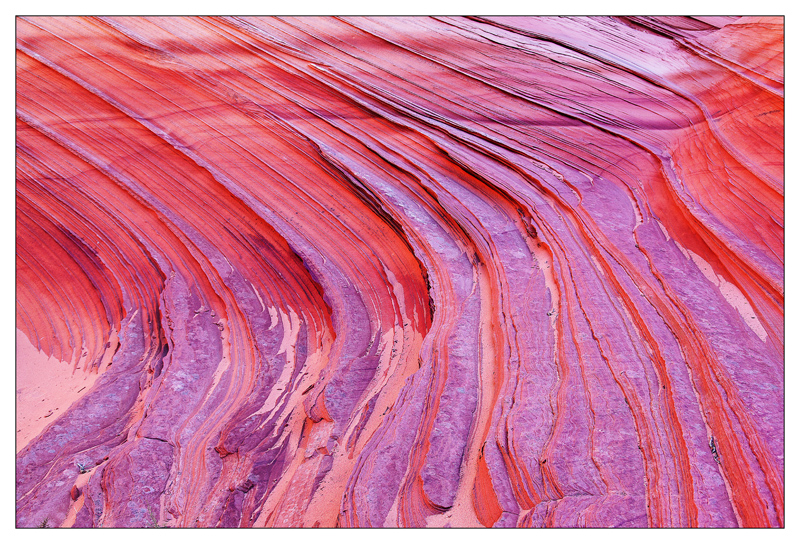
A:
x,y
402,272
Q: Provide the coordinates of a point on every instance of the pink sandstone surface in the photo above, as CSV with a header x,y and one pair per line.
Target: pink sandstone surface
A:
x,y
317,272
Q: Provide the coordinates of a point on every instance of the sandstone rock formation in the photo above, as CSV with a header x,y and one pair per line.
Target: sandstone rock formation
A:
x,y
400,272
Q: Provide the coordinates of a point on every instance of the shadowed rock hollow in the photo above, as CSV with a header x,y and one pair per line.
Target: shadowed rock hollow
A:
x,y
400,272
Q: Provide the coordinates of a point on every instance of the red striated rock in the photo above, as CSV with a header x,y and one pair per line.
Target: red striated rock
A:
x,y
402,272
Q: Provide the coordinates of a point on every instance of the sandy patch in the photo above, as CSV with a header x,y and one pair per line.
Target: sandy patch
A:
x,y
46,387
732,295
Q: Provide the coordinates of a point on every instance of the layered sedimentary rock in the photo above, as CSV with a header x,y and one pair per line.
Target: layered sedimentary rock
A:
x,y
400,272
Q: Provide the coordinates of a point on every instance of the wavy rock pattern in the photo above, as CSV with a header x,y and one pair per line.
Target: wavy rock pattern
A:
x,y
403,272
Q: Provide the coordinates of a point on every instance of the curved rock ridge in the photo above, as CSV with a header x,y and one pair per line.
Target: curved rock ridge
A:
x,y
317,272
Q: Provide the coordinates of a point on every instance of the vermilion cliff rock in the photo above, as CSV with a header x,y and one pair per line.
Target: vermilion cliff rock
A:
x,y
400,272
